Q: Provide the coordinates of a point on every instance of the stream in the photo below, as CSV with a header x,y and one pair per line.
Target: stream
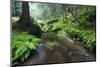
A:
x,y
56,49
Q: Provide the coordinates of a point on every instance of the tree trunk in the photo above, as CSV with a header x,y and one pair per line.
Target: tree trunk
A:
x,y
24,23
73,15
65,14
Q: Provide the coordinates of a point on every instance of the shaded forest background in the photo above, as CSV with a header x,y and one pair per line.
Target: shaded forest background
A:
x,y
30,20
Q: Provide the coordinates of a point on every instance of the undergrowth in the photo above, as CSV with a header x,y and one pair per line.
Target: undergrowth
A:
x,y
22,45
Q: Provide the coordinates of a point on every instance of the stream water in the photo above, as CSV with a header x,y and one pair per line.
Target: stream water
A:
x,y
59,50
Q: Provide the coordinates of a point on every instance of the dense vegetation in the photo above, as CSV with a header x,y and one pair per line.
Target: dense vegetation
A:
x,y
74,21
22,46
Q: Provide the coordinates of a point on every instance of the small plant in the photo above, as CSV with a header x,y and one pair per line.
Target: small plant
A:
x,y
89,39
22,45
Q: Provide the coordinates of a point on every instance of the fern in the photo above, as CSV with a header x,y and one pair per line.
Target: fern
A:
x,y
22,45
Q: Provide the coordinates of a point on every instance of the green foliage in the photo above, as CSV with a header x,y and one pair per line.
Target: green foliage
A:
x,y
72,29
22,45
88,37
67,26
87,16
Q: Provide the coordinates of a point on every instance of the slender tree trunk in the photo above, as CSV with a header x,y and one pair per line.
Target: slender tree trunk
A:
x,y
65,14
73,15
